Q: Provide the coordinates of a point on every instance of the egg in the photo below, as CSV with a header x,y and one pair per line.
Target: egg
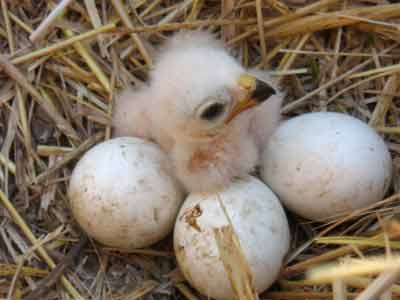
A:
x,y
326,164
259,222
123,195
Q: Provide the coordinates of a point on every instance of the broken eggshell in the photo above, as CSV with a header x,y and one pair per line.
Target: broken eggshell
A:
x,y
123,195
259,222
324,164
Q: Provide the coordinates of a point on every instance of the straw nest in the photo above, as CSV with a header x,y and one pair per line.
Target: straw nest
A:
x,y
61,63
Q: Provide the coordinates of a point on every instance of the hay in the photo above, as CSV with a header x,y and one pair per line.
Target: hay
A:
x,y
62,62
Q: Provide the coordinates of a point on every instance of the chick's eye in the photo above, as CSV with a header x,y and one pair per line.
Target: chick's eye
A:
x,y
213,111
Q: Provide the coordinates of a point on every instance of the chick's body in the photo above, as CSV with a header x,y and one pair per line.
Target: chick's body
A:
x,y
192,92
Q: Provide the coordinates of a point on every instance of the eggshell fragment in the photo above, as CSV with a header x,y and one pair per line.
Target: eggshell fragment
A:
x,y
324,164
122,194
259,222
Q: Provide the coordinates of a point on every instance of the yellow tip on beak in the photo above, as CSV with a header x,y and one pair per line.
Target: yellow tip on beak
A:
x,y
257,92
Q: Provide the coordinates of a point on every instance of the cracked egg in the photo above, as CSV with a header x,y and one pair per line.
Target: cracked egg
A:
x,y
259,223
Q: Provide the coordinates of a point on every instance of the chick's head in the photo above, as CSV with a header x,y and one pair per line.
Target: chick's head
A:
x,y
200,88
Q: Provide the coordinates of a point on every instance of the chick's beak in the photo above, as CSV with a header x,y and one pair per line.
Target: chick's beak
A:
x,y
256,92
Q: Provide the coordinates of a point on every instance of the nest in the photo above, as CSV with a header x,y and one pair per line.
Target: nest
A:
x,y
61,64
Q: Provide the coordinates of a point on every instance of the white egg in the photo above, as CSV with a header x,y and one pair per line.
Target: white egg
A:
x,y
122,194
259,222
324,164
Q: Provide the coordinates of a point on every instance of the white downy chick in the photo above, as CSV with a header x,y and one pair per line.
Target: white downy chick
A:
x,y
206,111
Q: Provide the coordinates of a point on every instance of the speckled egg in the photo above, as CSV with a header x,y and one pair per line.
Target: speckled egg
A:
x,y
123,195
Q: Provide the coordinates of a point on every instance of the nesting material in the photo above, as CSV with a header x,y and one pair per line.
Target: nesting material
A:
x,y
259,222
122,194
57,96
324,164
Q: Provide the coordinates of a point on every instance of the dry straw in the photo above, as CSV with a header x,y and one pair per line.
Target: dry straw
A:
x,y
61,63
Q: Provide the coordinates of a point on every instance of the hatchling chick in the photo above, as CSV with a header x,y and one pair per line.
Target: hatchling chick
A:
x,y
209,114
